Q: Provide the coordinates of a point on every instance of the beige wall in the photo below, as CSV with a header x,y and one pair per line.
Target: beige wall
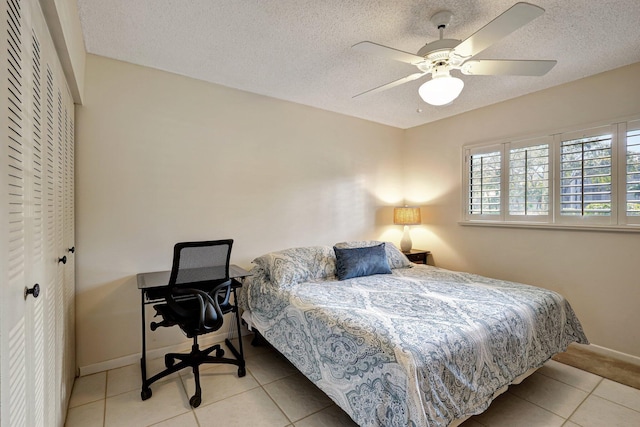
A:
x,y
162,158
596,271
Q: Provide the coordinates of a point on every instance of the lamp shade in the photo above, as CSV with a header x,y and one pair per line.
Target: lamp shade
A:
x,y
408,215
441,90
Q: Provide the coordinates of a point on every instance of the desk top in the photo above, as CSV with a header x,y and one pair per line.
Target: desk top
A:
x,y
157,279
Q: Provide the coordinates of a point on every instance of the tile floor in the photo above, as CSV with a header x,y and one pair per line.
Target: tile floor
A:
x,y
273,393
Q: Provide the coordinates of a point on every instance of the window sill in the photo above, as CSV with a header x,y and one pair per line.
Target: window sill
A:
x,y
635,228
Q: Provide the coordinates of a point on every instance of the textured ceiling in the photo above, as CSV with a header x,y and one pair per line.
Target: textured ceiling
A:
x,y
300,50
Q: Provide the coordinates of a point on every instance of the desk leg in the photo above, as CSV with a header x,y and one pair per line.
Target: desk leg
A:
x,y
239,355
146,391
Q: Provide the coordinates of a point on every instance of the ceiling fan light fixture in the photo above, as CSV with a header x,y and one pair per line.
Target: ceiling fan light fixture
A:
x,y
441,90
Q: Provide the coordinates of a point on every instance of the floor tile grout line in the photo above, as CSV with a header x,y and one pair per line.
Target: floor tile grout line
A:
x,y
227,397
306,416
584,400
104,401
318,411
171,418
566,423
617,403
549,410
277,406
571,385
535,404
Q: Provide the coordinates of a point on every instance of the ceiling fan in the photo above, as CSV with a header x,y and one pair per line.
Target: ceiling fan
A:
x,y
438,58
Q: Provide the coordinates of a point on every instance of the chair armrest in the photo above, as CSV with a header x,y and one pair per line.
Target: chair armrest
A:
x,y
210,314
216,292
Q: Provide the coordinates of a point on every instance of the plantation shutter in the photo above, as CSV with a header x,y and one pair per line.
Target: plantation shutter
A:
x,y
529,180
586,177
484,172
632,174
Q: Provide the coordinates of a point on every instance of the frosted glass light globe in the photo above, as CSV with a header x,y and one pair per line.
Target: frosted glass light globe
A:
x,y
441,90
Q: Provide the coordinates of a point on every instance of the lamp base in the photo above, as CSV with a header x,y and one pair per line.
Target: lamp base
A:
x,y
406,243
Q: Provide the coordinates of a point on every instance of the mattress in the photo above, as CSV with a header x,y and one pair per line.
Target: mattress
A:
x,y
422,346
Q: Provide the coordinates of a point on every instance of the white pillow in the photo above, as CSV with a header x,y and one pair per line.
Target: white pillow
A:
x,y
290,266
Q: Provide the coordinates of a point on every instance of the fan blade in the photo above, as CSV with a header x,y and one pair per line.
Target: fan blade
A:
x,y
388,52
392,84
517,16
494,67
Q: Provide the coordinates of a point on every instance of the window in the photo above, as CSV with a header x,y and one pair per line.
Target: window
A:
x,y
529,193
586,176
573,178
632,174
484,183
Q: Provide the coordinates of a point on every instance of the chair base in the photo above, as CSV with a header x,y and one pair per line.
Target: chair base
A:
x,y
193,360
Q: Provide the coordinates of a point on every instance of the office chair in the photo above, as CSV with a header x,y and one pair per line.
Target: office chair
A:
x,y
196,299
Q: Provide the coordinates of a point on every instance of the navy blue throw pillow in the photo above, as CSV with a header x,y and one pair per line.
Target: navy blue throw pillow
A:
x,y
357,262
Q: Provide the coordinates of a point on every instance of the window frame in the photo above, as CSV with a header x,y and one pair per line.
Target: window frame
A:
x,y
618,219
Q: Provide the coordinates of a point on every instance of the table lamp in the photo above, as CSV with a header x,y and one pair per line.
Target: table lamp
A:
x,y
407,215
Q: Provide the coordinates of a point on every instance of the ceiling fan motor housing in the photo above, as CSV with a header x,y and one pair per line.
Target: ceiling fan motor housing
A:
x,y
436,53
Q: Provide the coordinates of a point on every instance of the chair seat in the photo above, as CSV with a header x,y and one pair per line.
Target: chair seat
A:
x,y
190,324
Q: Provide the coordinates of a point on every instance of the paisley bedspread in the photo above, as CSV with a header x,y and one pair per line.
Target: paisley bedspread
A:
x,y
422,346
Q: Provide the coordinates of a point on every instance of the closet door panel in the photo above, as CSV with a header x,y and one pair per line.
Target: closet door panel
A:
x,y
34,313
69,242
51,266
14,390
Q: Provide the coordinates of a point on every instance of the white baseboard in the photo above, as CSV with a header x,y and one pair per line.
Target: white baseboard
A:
x,y
204,341
604,351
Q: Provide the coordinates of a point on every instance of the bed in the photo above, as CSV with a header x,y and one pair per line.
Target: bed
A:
x,y
415,346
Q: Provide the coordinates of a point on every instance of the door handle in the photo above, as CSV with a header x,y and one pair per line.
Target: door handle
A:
x,y
35,291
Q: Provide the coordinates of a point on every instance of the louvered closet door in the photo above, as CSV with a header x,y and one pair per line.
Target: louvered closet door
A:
x,y
15,200
61,333
52,411
36,334
68,248
34,227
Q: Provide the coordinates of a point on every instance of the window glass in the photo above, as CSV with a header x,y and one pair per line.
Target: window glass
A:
x,y
529,180
585,176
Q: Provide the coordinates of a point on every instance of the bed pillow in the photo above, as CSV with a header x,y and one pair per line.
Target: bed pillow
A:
x,y
290,266
395,258
358,262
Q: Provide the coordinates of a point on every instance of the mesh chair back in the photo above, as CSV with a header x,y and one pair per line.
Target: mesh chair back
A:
x,y
200,262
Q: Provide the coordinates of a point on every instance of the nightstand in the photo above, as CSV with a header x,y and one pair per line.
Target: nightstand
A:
x,y
418,256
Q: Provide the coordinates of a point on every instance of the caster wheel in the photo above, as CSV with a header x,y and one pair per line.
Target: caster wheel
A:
x,y
219,352
145,393
169,361
241,372
195,401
